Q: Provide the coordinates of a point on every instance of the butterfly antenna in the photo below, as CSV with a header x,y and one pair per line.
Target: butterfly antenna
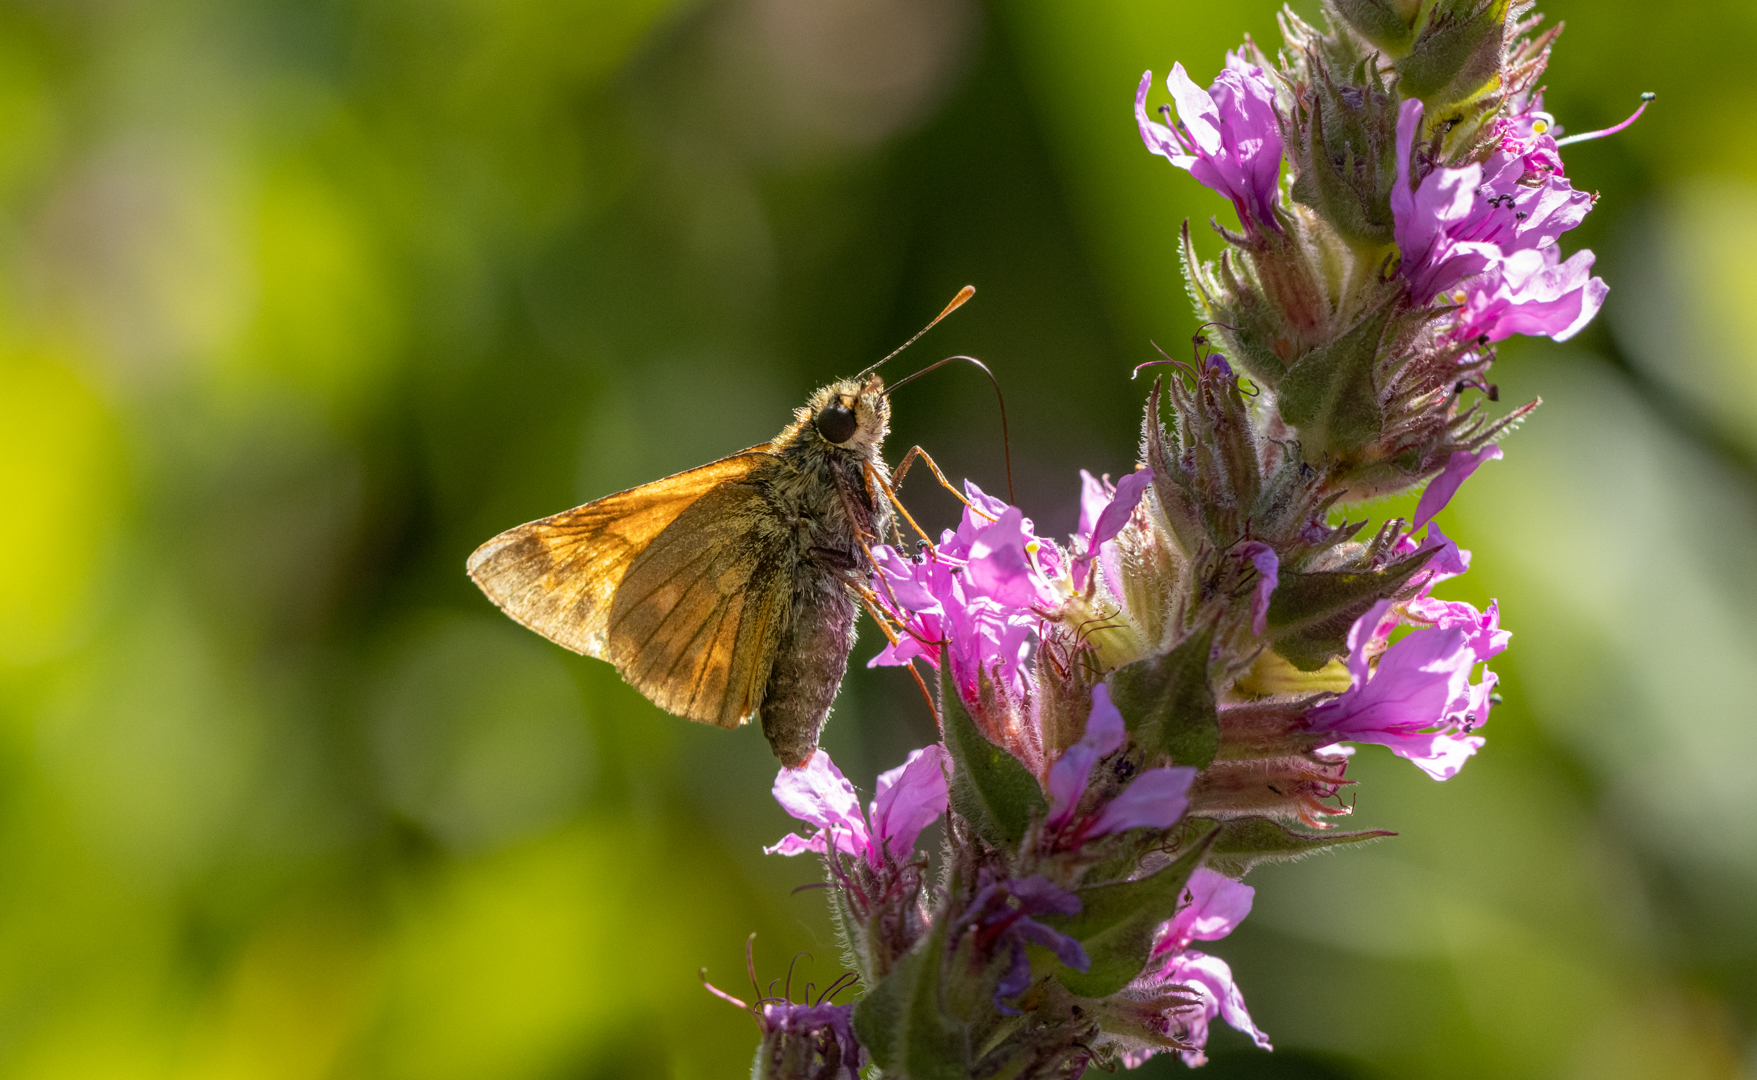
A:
x,y
958,301
1006,442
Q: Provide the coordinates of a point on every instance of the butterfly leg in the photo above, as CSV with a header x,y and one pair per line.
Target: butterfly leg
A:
x,y
918,452
865,593
873,476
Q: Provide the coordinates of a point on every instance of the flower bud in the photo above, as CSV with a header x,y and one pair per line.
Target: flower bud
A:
x,y
1343,152
1456,52
1467,59
1388,24
1293,788
807,1042
1207,467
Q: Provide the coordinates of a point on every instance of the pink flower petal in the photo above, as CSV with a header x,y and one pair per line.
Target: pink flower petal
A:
x,y
1441,488
817,793
908,799
1268,566
1156,799
1069,775
1217,904
1121,506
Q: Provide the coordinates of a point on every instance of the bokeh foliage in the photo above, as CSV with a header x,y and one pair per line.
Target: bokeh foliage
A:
x,y
301,301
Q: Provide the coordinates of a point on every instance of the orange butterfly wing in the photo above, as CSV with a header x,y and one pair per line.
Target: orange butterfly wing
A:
x,y
697,618
678,583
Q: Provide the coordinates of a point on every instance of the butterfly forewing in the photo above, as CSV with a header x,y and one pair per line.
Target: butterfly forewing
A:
x,y
559,575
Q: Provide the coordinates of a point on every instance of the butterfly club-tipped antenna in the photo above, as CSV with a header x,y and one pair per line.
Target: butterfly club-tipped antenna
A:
x,y
958,301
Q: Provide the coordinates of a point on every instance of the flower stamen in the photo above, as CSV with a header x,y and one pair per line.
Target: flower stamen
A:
x,y
1646,99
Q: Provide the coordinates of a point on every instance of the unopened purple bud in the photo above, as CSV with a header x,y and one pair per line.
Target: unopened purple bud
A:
x,y
808,1042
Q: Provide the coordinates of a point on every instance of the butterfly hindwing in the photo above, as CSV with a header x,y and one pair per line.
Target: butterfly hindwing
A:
x,y
696,620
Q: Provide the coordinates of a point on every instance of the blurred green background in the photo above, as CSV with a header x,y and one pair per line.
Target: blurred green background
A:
x,y
299,302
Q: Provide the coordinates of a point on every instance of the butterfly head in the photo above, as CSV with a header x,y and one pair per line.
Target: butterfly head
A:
x,y
853,414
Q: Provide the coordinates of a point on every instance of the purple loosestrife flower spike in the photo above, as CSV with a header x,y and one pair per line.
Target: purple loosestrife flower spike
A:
x,y
1227,136
1132,719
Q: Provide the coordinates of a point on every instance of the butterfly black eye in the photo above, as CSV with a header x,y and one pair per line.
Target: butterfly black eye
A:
x,y
835,422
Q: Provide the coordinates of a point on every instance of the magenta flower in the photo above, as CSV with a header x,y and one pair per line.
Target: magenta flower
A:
x,y
1104,509
1484,237
1095,496
999,565
1532,292
1441,488
1155,799
1214,905
1227,136
908,799
1418,699
1445,561
979,592
1482,627
1210,978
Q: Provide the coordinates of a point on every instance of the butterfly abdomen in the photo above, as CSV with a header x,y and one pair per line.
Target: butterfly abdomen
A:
x,y
809,666
822,492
